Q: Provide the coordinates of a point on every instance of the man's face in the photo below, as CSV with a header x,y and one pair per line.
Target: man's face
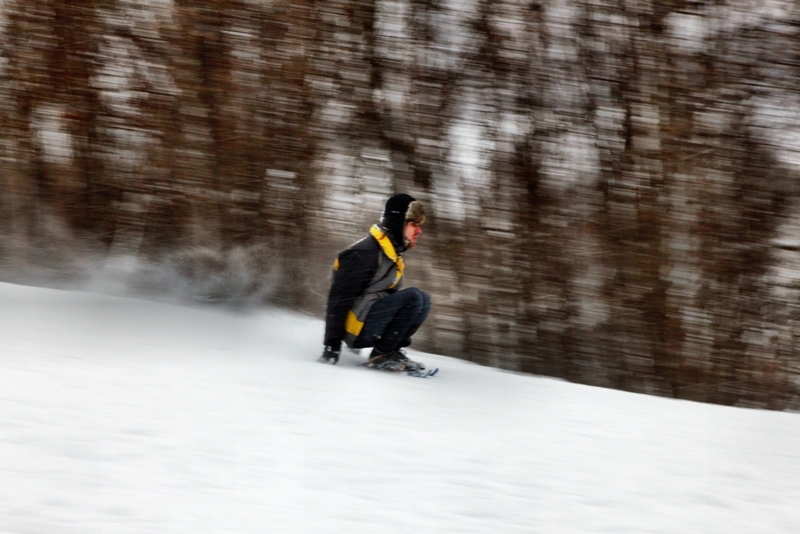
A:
x,y
412,232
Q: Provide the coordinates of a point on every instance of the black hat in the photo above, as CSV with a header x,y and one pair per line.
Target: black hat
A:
x,y
399,210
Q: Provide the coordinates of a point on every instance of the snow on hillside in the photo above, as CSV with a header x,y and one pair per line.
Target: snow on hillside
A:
x,y
120,415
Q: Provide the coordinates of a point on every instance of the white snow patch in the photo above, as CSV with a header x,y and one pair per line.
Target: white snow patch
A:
x,y
465,8
571,159
687,32
776,120
736,15
121,415
52,133
468,157
561,17
336,112
449,199
391,21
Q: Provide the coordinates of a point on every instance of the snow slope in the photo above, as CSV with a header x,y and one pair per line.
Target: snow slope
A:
x,y
120,415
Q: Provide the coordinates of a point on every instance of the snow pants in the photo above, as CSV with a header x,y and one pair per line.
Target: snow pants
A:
x,y
393,320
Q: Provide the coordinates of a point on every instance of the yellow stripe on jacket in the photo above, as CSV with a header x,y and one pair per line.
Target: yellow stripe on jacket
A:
x,y
388,249
352,325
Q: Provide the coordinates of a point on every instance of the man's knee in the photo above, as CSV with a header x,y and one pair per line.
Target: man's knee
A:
x,y
426,304
417,298
421,301
423,297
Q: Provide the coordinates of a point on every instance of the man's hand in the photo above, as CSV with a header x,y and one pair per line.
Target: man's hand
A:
x,y
330,355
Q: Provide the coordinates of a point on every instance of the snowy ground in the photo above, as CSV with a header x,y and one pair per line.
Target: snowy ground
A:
x,y
121,415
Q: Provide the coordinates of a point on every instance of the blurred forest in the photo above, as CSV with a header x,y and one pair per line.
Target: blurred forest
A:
x,y
612,185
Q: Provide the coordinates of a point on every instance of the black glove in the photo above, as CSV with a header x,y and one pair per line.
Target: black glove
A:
x,y
330,355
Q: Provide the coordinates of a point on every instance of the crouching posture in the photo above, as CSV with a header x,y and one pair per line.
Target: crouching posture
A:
x,y
366,307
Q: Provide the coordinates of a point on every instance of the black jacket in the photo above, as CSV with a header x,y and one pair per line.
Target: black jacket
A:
x,y
362,274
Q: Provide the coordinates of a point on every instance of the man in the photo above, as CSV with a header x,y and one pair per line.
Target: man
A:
x,y
366,307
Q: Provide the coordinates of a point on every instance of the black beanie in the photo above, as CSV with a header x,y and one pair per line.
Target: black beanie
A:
x,y
398,210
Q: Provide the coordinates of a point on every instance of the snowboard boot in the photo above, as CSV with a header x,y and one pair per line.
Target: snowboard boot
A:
x,y
385,362
411,365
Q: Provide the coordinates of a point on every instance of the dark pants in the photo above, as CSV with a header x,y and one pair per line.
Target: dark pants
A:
x,y
393,320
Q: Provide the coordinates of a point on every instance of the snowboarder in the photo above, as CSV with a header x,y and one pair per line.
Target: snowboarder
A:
x,y
366,307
